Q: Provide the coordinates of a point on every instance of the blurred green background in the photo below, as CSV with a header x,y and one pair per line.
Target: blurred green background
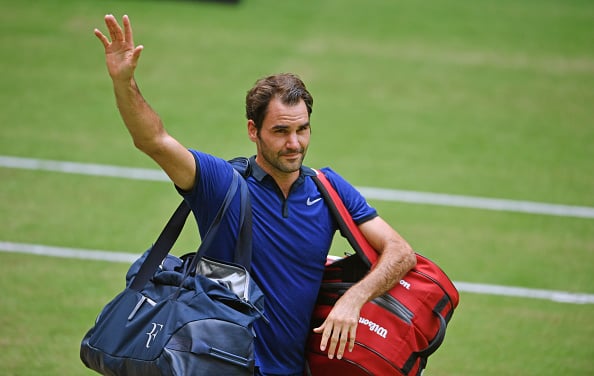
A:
x,y
488,99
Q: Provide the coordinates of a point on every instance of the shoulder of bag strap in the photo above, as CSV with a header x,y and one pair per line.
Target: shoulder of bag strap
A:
x,y
347,226
241,165
174,226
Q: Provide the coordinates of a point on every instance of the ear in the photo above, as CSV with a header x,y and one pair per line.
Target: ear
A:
x,y
252,130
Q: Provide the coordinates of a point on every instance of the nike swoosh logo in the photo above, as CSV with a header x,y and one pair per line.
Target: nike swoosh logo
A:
x,y
310,202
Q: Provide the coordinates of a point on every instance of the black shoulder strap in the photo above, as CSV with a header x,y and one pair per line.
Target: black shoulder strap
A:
x,y
161,247
241,165
173,228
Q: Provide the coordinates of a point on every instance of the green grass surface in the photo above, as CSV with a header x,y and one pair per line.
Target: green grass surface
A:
x,y
478,98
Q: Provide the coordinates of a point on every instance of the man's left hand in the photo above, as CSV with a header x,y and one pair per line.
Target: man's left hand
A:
x,y
339,328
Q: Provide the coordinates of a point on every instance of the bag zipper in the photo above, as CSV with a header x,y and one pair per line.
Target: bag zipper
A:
x,y
248,278
386,301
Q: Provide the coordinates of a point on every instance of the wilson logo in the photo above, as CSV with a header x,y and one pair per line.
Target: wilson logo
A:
x,y
373,327
404,284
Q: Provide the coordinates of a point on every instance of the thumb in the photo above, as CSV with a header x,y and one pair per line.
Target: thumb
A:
x,y
136,53
320,328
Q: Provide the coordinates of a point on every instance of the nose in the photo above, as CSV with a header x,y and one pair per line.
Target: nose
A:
x,y
292,141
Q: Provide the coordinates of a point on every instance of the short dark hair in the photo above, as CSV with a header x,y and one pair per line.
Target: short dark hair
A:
x,y
287,87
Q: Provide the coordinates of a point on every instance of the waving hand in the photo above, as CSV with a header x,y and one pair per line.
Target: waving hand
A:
x,y
120,54
143,123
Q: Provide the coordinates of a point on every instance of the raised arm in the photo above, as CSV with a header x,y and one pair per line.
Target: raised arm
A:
x,y
143,123
396,259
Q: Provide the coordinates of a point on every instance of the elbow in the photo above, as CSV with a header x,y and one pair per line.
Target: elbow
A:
x,y
149,140
408,256
411,259
146,148
403,255
140,145
149,146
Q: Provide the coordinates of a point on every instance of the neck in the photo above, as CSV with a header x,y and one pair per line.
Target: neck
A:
x,y
284,180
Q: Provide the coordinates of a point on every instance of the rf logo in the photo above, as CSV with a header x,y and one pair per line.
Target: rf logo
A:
x,y
153,333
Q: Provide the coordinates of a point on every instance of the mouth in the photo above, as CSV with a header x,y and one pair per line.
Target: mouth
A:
x,y
294,157
292,154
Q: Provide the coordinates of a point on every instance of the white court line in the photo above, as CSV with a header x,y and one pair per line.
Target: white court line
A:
x,y
76,253
370,193
478,202
477,288
83,168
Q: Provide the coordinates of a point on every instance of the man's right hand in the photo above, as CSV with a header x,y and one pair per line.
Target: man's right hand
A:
x,y
120,54
143,123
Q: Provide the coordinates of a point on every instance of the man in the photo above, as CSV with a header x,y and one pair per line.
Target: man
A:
x,y
292,226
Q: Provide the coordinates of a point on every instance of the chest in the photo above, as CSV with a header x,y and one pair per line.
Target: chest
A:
x,y
297,227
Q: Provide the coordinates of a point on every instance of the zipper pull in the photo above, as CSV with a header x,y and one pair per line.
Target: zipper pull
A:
x,y
136,308
257,310
139,304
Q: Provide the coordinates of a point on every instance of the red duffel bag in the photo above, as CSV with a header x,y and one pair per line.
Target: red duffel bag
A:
x,y
398,330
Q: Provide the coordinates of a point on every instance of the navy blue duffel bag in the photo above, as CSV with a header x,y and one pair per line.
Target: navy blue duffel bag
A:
x,y
181,316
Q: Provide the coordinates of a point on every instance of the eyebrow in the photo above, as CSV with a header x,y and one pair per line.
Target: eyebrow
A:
x,y
284,126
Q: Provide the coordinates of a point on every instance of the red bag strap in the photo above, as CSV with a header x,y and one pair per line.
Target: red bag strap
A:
x,y
348,227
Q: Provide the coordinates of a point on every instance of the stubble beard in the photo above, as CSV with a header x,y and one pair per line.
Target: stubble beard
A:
x,y
278,162
283,165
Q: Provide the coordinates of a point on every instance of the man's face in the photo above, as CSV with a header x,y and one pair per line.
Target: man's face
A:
x,y
283,140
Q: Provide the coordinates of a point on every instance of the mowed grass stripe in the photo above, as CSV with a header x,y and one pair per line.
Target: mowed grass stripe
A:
x,y
369,192
477,288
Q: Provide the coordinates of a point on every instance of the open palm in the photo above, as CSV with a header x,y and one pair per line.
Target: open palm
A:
x,y
120,54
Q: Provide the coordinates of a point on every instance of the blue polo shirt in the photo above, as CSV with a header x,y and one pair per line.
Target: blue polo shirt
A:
x,y
291,239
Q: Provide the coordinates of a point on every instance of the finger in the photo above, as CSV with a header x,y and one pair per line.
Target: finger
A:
x,y
352,337
341,344
319,329
102,38
325,336
115,31
334,340
128,30
136,54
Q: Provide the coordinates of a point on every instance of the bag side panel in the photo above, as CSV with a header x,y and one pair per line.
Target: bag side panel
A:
x,y
433,271
211,346
363,360
391,338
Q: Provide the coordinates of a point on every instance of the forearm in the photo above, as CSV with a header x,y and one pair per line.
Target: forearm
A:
x,y
143,123
149,135
396,260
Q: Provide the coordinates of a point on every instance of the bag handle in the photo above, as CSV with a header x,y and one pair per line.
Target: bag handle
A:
x,y
348,227
173,228
243,246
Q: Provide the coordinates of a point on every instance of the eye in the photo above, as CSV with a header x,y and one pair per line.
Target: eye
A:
x,y
303,128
